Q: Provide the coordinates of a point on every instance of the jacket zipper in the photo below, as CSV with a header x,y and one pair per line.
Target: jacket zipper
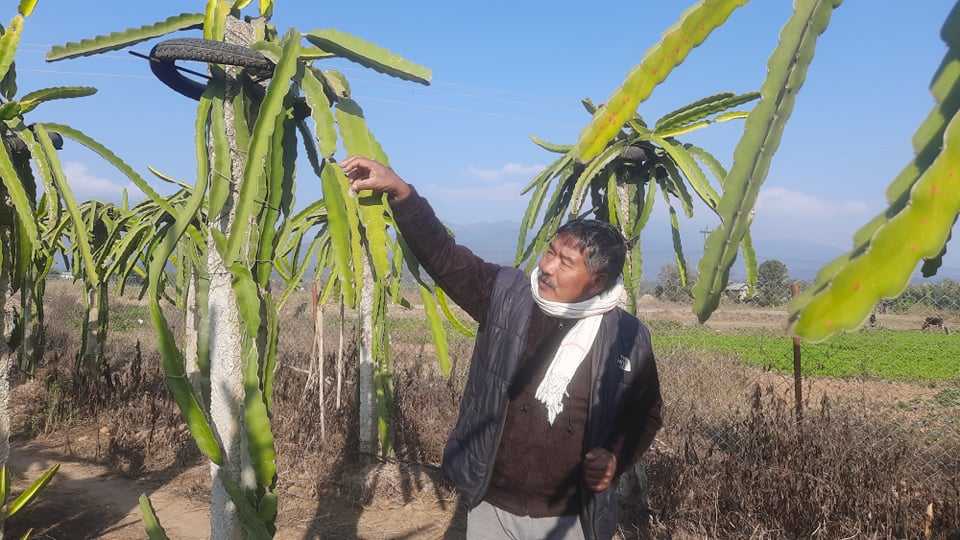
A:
x,y
486,482
596,373
503,419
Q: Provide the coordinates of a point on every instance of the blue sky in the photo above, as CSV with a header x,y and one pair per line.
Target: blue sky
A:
x,y
506,70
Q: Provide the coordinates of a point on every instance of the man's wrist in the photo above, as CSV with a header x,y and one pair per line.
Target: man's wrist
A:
x,y
401,192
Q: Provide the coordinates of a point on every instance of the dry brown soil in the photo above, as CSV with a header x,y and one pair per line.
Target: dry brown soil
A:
x,y
88,500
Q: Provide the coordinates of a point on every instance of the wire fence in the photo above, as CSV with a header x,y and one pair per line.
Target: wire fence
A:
x,y
862,441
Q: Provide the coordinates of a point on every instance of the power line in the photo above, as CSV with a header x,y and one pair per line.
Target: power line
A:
x,y
438,108
705,232
85,73
464,89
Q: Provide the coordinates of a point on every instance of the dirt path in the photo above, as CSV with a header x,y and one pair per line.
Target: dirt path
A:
x,y
88,500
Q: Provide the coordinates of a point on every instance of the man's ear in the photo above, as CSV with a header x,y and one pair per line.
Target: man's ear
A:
x,y
599,283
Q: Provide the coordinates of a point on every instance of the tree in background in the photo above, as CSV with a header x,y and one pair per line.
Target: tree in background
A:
x,y
670,285
773,287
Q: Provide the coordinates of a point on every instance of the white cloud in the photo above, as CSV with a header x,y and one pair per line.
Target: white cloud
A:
x,y
506,171
500,191
87,185
787,203
784,215
498,185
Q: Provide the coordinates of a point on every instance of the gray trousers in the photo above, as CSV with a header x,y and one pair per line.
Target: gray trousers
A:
x,y
487,522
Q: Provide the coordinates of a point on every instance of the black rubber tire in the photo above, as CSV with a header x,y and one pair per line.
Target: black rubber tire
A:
x,y
638,154
16,146
164,55
211,52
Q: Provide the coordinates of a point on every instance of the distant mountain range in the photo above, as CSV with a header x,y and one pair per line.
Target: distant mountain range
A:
x,y
496,242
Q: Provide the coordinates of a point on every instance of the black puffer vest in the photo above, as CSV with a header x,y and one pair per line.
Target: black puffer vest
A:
x,y
469,455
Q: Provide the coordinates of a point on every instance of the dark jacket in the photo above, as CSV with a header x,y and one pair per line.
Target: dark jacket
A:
x,y
624,379
618,394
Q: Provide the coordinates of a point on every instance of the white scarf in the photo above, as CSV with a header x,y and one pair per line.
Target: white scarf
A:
x,y
575,345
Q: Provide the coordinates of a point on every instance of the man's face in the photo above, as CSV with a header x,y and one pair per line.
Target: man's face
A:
x,y
564,276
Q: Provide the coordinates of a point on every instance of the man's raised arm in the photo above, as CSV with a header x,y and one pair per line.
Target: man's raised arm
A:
x,y
466,278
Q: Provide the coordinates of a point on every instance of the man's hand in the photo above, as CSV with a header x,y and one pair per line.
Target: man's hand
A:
x,y
366,173
599,466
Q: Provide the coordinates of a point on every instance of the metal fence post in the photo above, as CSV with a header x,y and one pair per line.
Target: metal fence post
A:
x,y
797,377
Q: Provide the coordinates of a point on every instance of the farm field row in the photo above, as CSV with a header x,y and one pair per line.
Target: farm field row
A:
x,y
886,354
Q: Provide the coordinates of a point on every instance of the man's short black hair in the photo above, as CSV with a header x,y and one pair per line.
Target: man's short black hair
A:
x,y
603,247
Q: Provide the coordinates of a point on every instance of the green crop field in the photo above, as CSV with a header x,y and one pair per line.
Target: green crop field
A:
x,y
886,354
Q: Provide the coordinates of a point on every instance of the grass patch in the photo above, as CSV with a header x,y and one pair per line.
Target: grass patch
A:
x,y
124,317
885,354
948,398
416,330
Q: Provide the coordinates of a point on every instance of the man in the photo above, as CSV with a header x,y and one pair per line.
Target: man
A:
x,y
562,394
